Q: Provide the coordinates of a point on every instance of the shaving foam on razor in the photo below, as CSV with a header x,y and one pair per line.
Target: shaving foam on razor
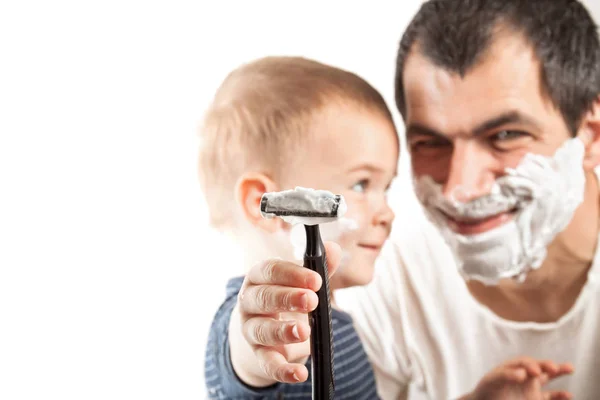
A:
x,y
303,206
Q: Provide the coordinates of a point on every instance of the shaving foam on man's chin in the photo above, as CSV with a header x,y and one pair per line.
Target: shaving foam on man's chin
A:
x,y
542,194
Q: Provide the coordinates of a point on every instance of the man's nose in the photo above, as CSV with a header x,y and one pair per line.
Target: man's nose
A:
x,y
471,173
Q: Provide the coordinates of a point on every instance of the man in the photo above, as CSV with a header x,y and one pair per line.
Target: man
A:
x,y
502,114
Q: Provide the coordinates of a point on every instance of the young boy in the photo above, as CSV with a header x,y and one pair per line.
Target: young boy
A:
x,y
281,122
277,123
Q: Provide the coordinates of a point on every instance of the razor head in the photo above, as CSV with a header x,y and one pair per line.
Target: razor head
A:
x,y
303,205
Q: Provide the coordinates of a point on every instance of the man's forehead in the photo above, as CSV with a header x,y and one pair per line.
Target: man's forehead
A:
x,y
509,71
505,51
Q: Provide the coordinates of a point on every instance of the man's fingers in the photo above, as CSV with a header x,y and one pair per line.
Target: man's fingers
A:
x,y
269,299
334,255
283,273
554,370
271,332
557,395
514,375
549,367
276,367
531,366
565,369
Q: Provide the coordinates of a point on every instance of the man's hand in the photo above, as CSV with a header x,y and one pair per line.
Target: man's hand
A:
x,y
521,378
269,328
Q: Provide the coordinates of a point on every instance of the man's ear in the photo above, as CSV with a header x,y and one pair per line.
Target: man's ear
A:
x,y
248,192
589,133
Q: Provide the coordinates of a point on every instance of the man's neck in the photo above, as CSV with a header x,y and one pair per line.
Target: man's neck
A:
x,y
549,292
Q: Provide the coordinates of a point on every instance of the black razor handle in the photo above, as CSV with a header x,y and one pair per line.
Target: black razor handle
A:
x,y
321,334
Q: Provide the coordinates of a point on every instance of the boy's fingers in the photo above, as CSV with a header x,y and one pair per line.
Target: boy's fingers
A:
x,y
269,299
334,255
276,367
283,273
271,332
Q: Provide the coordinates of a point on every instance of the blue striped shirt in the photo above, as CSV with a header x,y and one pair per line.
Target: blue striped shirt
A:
x,y
354,377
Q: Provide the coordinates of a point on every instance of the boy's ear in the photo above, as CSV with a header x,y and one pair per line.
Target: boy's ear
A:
x,y
589,133
248,192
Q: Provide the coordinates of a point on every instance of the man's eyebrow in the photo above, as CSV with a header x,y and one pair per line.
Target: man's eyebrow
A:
x,y
510,117
415,129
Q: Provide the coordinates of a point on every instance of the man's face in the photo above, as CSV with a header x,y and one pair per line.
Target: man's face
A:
x,y
464,132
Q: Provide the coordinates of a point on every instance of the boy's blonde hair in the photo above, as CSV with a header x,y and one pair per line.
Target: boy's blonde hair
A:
x,y
262,111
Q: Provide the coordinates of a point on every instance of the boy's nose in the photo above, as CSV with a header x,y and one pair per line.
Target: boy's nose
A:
x,y
384,216
471,173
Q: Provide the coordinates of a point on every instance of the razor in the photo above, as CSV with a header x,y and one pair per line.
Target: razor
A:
x,y
312,207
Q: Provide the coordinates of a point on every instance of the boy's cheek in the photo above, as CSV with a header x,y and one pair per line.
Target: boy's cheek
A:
x,y
351,229
345,231
357,213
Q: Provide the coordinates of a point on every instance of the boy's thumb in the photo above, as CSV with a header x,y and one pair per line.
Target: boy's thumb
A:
x,y
334,256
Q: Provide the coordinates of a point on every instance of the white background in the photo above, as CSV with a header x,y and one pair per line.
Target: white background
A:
x,y
108,274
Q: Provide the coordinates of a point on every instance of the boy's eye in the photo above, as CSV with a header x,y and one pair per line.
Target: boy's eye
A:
x,y
361,186
389,186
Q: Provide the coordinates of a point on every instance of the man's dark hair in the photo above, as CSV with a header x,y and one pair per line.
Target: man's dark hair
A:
x,y
455,34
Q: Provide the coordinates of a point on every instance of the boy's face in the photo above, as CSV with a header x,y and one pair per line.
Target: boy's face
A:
x,y
352,152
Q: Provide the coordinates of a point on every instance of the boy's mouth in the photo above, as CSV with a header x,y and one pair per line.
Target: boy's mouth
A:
x,y
375,247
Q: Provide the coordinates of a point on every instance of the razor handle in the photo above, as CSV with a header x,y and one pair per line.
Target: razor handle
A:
x,y
321,334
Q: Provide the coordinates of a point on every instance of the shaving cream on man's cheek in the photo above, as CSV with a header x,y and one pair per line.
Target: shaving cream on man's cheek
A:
x,y
544,191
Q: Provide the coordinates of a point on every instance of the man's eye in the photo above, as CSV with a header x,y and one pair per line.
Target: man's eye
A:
x,y
432,143
430,147
509,140
507,135
361,186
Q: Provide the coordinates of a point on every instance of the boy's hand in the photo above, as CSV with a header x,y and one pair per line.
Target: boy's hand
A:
x,y
521,378
269,328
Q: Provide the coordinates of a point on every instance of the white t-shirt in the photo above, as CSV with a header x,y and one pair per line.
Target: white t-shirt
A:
x,y
422,328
